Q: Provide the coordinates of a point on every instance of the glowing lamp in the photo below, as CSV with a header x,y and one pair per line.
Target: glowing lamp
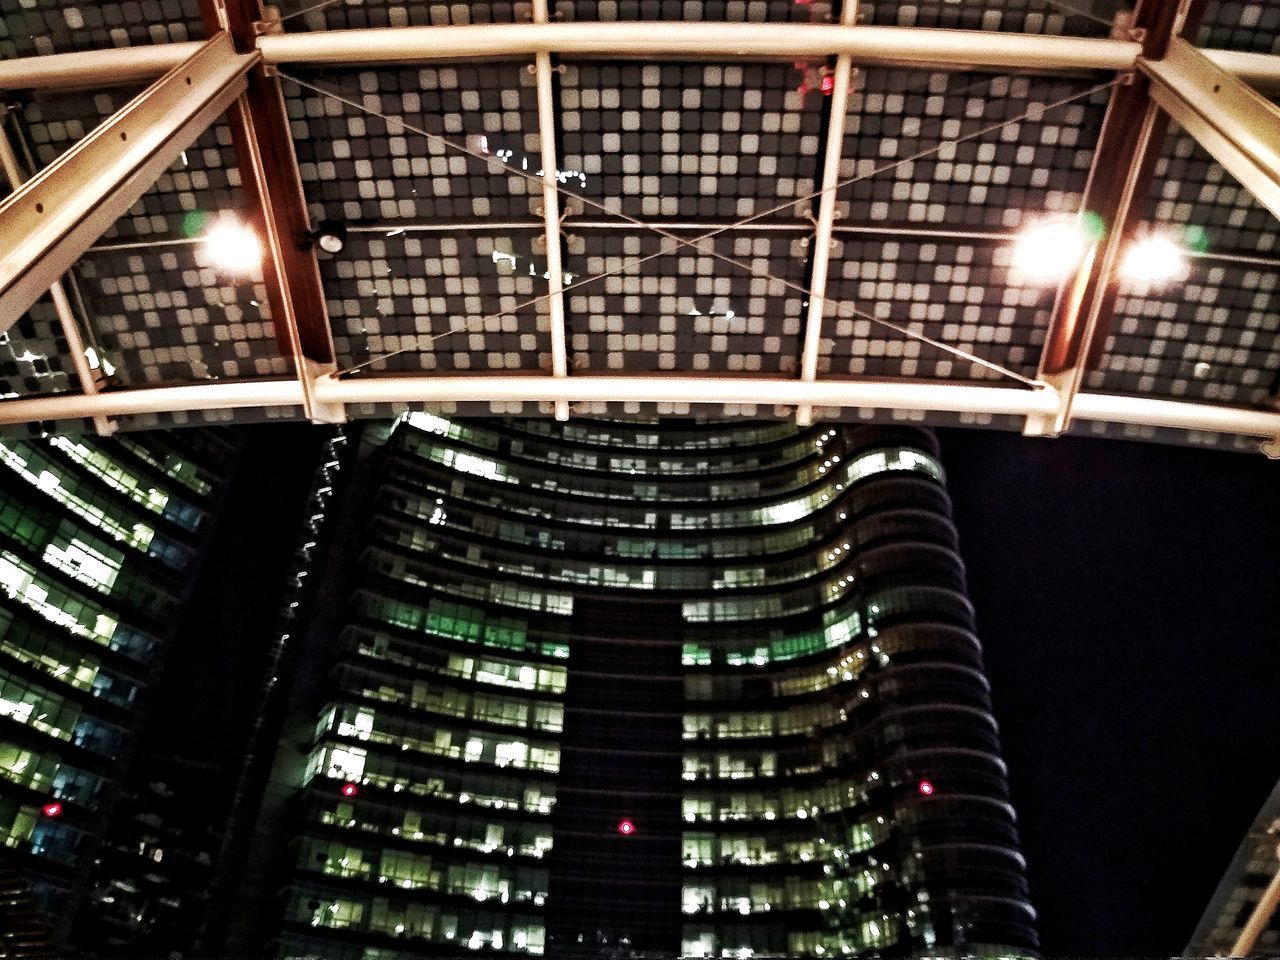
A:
x,y
52,809
1154,259
926,788
1049,250
233,247
626,827
350,789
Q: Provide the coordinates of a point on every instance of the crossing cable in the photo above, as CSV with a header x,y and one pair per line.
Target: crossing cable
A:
x,y
1034,110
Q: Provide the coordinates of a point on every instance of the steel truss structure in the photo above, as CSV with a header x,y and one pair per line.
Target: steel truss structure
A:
x,y
52,218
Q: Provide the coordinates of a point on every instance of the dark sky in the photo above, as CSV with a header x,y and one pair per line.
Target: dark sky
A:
x,y
202,711
1126,596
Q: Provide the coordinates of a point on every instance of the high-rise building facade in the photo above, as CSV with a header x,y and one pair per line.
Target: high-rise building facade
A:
x,y
99,544
604,689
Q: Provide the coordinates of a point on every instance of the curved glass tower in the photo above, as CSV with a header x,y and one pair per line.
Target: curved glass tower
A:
x,y
671,689
100,542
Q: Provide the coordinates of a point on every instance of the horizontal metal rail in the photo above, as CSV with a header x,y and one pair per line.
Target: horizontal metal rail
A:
x,y
866,45
844,394
896,46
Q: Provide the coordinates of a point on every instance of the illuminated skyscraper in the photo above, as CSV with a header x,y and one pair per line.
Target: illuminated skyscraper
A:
x,y
709,690
99,544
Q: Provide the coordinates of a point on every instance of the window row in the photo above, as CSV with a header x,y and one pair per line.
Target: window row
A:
x,y
354,765
485,670
475,929
505,882
458,827
364,723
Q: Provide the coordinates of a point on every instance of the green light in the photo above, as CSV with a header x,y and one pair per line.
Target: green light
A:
x,y
1196,239
1092,225
194,222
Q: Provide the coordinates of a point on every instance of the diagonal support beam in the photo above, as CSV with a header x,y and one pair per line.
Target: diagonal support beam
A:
x,y
264,150
842,79
551,211
58,214
1235,124
1128,144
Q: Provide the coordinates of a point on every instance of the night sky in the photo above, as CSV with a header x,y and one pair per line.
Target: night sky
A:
x,y
1126,597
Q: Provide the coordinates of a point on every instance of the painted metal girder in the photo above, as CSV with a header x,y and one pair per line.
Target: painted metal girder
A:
x,y
52,219
1237,125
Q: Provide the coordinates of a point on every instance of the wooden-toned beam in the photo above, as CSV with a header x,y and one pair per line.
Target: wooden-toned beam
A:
x,y
277,212
1128,144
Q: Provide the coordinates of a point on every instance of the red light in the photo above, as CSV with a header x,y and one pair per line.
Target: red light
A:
x,y
828,84
52,809
350,789
626,828
926,788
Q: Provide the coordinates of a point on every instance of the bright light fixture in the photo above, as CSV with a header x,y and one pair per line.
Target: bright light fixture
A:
x,y
1154,259
1049,250
233,247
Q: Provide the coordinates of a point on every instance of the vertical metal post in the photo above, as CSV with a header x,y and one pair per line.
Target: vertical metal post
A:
x,y
551,211
841,78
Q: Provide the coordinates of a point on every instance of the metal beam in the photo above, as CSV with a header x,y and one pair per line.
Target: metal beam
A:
x,y
128,402
58,214
841,77
551,211
67,321
1259,917
264,150
981,49
683,388
704,389
95,68
1259,70
1238,126
1119,179
888,46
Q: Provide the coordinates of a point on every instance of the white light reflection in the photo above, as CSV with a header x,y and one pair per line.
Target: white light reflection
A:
x,y
233,247
1154,259
1049,250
